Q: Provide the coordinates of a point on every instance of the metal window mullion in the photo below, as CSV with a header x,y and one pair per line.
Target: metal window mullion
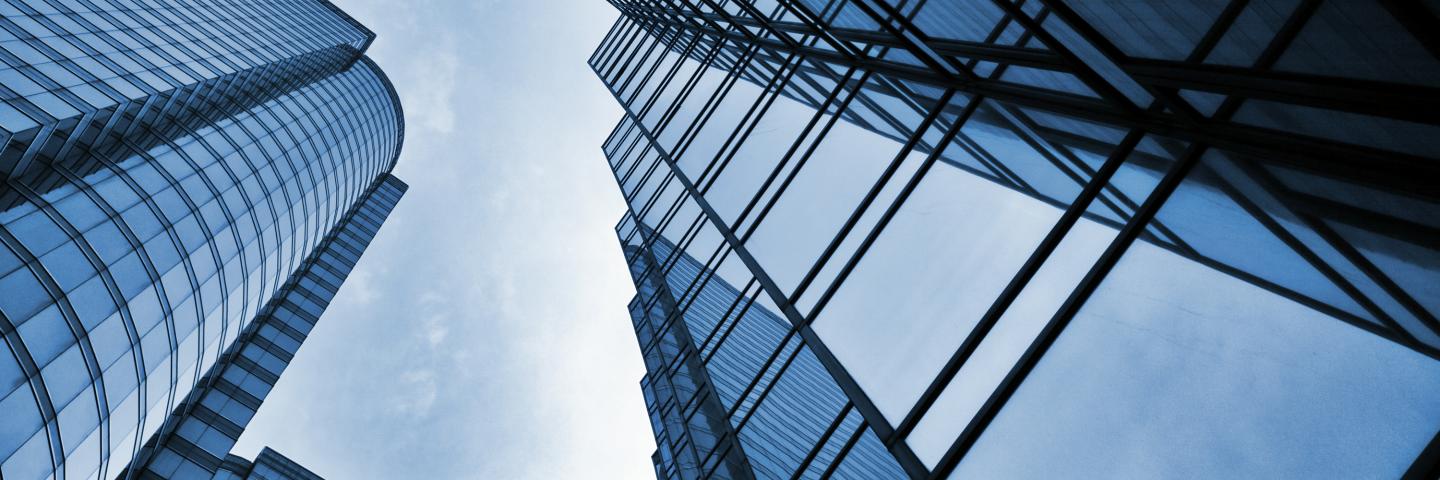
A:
x,y
655,46
1102,266
1314,260
687,89
615,59
769,93
1067,311
823,441
687,350
1018,281
784,159
712,105
33,372
884,179
615,28
1079,68
1366,97
847,385
794,172
845,451
66,304
1272,187
1029,132
915,41
738,309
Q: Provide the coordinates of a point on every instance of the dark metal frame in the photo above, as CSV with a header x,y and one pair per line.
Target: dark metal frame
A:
x,y
702,29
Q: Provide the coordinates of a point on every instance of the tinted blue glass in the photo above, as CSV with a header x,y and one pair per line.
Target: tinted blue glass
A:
x,y
1256,387
220,144
266,344
929,284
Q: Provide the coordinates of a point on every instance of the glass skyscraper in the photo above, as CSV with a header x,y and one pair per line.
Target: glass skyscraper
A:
x,y
1032,238
186,185
215,413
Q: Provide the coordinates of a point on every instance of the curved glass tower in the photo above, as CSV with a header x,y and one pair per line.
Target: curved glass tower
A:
x,y
168,168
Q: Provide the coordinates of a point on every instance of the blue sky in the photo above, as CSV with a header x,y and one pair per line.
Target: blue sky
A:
x,y
484,333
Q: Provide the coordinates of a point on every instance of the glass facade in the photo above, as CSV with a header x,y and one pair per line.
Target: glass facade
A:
x,y
79,74
168,167
269,465
212,417
714,353
1029,238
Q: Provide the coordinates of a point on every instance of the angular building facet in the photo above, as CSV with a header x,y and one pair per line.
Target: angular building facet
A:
x,y
268,465
182,180
1032,238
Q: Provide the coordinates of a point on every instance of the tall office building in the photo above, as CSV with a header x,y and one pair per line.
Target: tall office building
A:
x,y
211,418
186,185
693,387
1032,238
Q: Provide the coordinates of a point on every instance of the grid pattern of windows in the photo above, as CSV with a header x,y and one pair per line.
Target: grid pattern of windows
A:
x,y
144,235
211,419
1021,237
67,69
719,362
688,419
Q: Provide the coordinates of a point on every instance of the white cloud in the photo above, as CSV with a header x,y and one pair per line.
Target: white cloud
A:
x,y
419,396
435,330
428,89
500,292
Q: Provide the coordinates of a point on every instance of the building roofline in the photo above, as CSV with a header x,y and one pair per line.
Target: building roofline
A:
x,y
369,34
